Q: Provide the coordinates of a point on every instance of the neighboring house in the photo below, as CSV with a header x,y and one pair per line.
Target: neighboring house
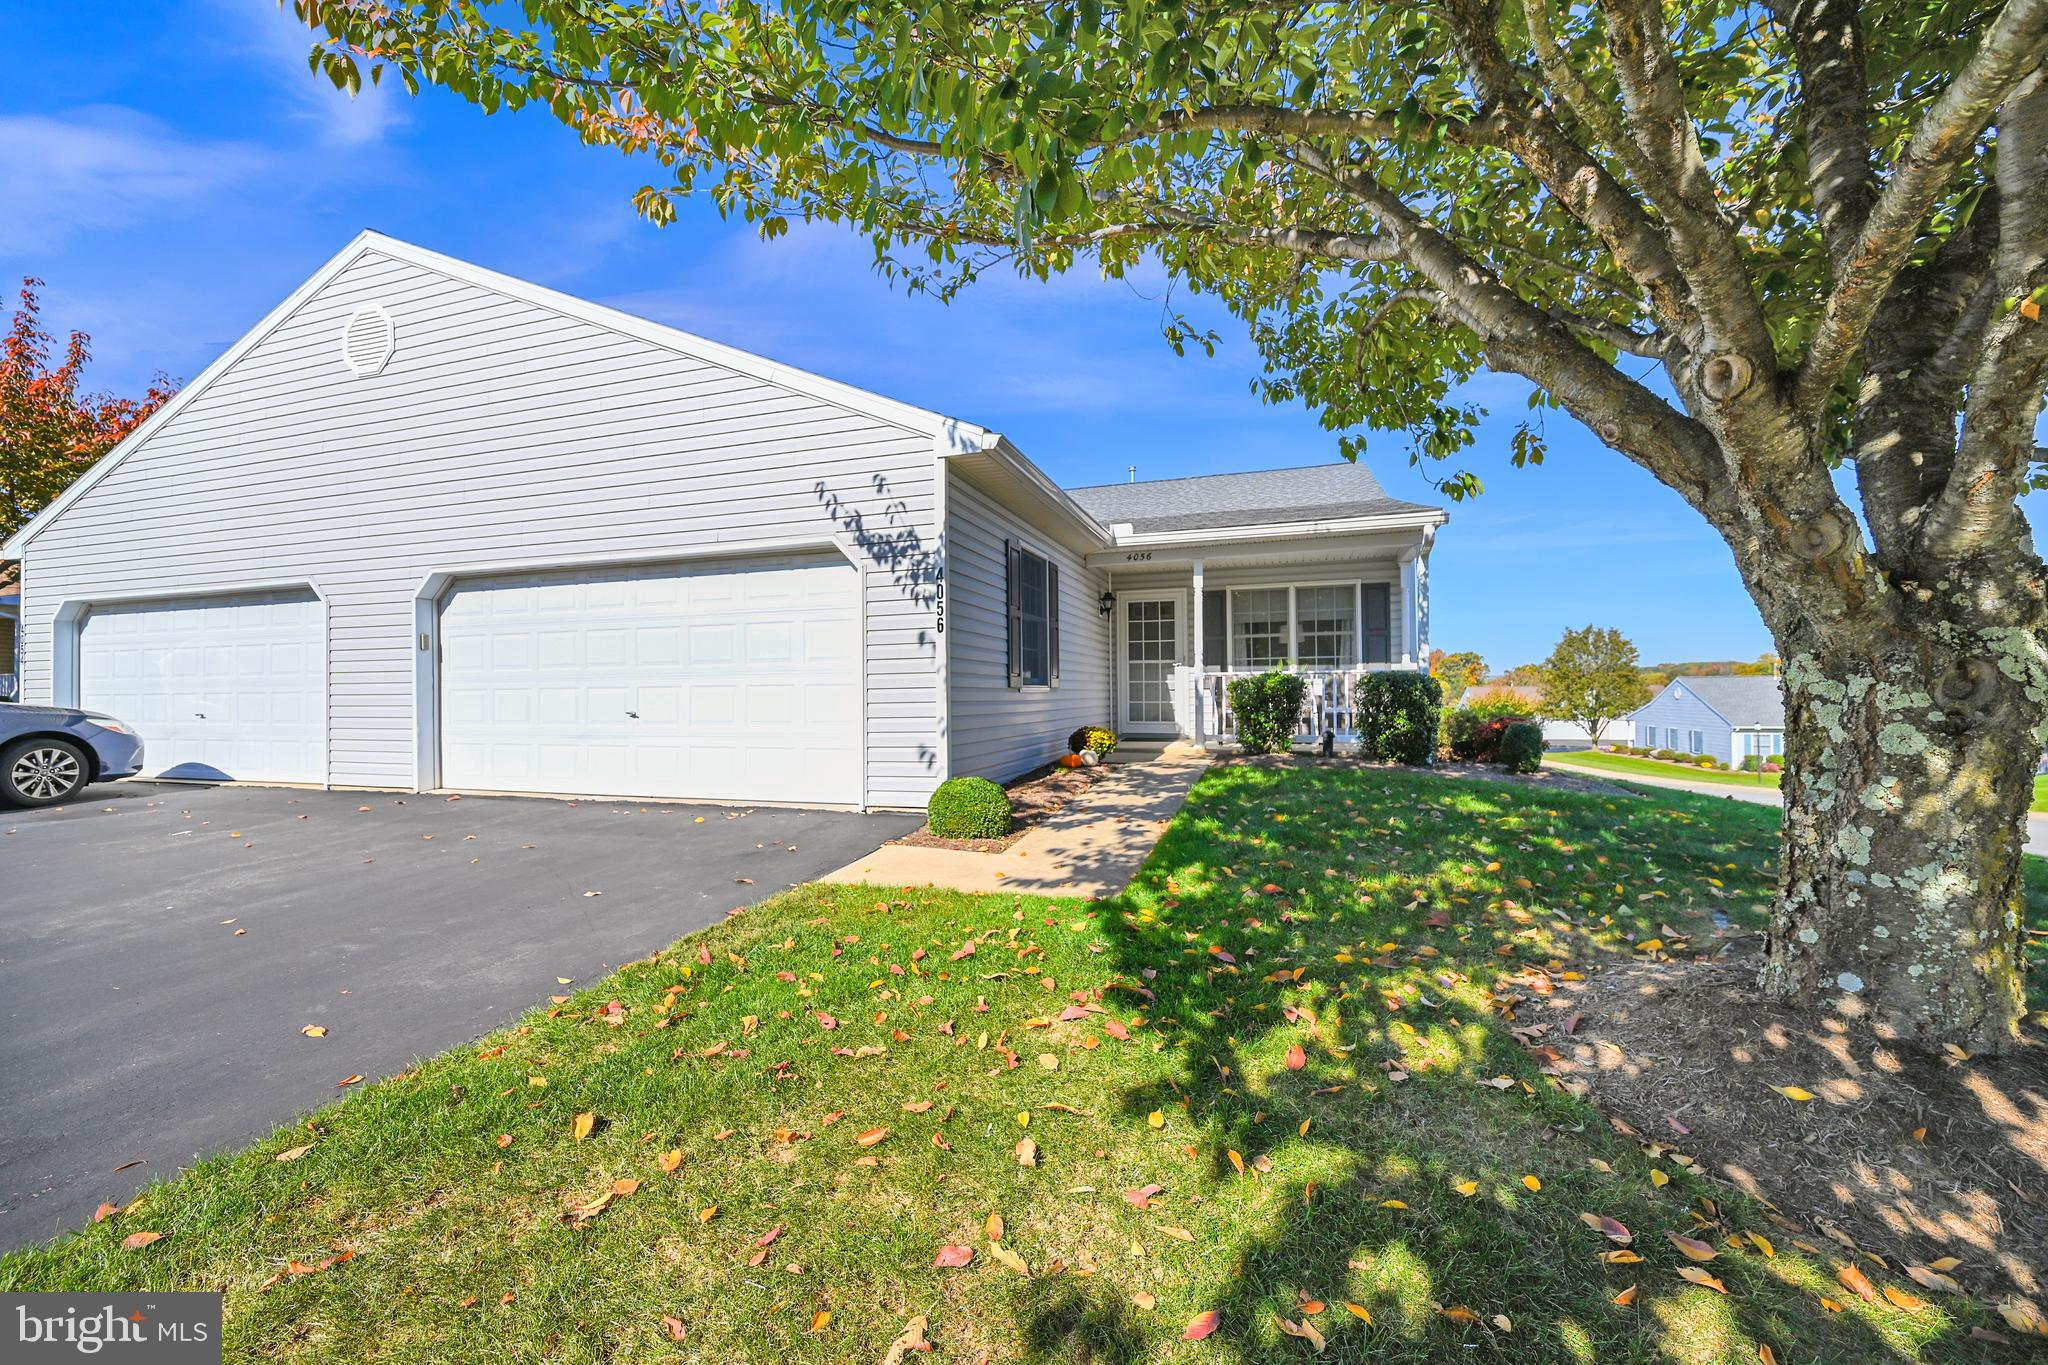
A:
x,y
1729,717
1557,734
431,527
10,631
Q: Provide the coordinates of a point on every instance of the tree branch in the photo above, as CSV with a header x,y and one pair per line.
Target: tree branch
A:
x,y
2012,49
1997,443
1827,44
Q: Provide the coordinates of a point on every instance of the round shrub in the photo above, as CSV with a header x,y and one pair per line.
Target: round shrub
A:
x,y
1268,710
1099,740
969,808
1398,716
1521,746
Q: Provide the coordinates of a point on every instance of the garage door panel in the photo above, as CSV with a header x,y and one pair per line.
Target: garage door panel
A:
x,y
735,681
224,688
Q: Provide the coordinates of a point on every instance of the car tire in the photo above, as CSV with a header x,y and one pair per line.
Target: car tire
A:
x,y
42,772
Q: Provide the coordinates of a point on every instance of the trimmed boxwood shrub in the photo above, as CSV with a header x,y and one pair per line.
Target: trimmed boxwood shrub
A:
x,y
1398,715
1092,739
969,808
1268,709
1521,746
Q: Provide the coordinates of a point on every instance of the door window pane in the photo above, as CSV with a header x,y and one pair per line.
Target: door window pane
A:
x,y
1327,623
1258,628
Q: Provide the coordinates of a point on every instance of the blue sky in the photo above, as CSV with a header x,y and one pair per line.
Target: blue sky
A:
x,y
173,170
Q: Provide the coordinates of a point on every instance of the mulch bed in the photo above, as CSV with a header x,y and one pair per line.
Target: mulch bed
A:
x,y
1034,798
1900,1155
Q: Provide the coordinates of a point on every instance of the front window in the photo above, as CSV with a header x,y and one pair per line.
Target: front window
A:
x,y
1258,628
1034,617
1327,626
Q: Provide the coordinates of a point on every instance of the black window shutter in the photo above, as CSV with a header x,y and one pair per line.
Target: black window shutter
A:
x,y
1052,619
1379,624
1014,600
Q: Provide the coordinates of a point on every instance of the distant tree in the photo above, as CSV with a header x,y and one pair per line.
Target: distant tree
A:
x,y
1766,666
50,433
1523,675
1459,670
1591,678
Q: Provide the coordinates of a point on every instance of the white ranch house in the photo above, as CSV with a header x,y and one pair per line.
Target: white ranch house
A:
x,y
429,527
1729,717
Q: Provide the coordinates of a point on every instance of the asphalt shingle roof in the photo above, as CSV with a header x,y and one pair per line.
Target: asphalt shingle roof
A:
x,y
1742,700
1314,493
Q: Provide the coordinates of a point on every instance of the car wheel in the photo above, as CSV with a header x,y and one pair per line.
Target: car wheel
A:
x,y
42,772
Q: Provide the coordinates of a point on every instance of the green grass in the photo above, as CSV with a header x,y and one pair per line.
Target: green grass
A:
x,y
1361,916
1630,765
2041,792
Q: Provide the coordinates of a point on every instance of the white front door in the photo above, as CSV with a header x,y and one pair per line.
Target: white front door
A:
x,y
725,682
1153,629
218,688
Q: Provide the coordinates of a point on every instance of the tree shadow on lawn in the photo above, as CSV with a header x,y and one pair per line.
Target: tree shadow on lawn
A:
x,y
1335,956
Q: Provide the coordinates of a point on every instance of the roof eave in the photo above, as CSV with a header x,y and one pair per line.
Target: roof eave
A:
x,y
1285,530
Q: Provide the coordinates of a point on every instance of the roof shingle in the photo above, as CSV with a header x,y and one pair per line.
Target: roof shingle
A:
x,y
1312,493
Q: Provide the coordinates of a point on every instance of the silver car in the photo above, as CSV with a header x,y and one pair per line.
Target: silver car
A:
x,y
49,754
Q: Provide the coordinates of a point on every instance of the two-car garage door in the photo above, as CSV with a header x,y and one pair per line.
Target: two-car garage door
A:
x,y
736,681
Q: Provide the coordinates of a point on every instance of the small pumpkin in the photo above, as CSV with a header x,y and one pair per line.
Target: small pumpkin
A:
x,y
1070,760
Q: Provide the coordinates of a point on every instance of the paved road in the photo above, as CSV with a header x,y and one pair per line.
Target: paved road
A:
x,y
2037,825
137,1026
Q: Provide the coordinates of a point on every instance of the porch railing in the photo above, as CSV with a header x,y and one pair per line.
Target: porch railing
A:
x,y
1329,702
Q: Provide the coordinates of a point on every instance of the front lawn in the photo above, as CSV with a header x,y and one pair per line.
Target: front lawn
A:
x,y
1630,765
1269,1083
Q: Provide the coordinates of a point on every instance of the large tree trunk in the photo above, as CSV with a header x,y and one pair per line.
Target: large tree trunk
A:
x,y
1906,793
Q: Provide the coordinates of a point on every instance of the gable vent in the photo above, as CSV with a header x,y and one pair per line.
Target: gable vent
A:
x,y
368,340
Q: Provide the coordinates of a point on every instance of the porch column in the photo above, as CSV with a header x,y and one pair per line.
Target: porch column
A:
x,y
1195,615
1411,597
1422,599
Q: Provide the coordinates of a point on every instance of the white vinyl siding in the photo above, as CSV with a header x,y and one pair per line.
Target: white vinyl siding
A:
x,y
502,433
997,731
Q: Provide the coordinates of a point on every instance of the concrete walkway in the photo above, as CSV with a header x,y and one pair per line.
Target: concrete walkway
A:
x,y
2037,824
1091,849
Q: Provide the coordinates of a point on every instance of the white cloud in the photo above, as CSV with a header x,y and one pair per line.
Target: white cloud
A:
x,y
105,167
276,44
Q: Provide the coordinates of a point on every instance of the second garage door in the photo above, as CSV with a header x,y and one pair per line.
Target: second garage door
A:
x,y
737,681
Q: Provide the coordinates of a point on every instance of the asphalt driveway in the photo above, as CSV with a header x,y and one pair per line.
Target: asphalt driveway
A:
x,y
162,947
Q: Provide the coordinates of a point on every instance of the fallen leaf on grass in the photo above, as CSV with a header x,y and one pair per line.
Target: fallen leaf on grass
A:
x,y
1614,1230
583,1125
911,1338
1929,1278
1141,1198
674,1325
1533,1183
1178,1234
1358,1311
670,1160
1303,1330
1625,1297
1701,1277
1658,1179
1458,1313
994,1227
1693,1248
1027,1152
952,1257
1156,1119
1468,1188
1297,1058
136,1241
104,1212
1144,1300
353,1080
870,1137
1856,1282
293,1154
1202,1325
1009,1258
820,1320
1904,1302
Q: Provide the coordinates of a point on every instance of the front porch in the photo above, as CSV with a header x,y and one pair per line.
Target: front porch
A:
x,y
1332,607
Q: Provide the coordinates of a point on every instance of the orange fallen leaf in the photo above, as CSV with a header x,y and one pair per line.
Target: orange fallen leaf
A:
x,y
1297,1057
1901,1300
1304,1331
1144,1301
1856,1282
358,1080
135,1241
670,1321
952,1257
1533,1183
1460,1314
994,1227
1202,1325
1701,1277
670,1160
1612,1228
870,1137
1625,1297
821,1319
1357,1311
